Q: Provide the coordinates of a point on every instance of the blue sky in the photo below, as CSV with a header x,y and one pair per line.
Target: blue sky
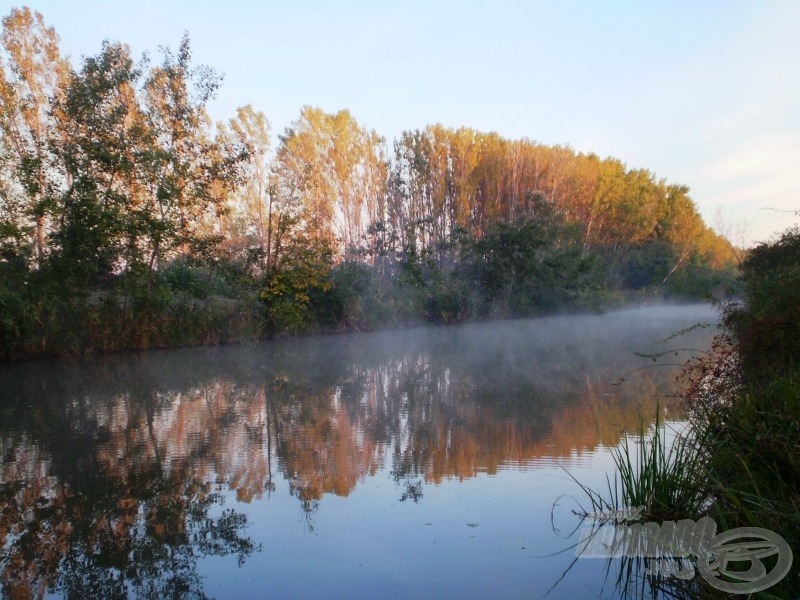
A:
x,y
705,94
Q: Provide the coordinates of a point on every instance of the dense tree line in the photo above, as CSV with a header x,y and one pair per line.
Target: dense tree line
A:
x,y
129,220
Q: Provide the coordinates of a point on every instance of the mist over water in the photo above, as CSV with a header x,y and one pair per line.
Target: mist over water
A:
x,y
422,462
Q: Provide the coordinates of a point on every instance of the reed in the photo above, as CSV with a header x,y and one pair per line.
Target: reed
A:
x,y
667,478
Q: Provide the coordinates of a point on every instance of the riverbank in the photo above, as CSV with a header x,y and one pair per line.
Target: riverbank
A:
x,y
180,321
739,462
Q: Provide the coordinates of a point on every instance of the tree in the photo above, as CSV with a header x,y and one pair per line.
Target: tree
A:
x,y
32,76
334,167
103,135
767,323
252,200
735,233
185,164
681,225
147,180
530,266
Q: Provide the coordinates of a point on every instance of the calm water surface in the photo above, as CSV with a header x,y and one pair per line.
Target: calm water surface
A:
x,y
428,463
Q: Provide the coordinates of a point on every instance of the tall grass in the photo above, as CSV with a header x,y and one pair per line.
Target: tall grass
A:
x,y
738,463
666,478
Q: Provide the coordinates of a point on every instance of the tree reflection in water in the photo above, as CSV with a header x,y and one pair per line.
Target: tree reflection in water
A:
x,y
116,471
108,535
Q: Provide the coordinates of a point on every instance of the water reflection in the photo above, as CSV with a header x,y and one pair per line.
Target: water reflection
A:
x,y
116,471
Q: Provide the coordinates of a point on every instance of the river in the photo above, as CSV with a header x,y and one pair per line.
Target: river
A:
x,y
421,463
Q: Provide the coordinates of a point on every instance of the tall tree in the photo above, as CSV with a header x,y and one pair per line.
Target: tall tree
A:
x,y
265,212
32,75
682,226
334,166
186,163
252,201
103,136
144,171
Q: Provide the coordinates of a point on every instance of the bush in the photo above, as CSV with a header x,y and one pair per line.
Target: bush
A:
x,y
767,323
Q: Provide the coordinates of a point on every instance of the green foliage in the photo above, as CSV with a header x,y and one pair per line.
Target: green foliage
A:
x,y
767,323
535,266
663,477
14,253
753,423
740,462
699,280
297,295
647,264
446,301
181,307
200,282
771,257
182,278
355,293
753,466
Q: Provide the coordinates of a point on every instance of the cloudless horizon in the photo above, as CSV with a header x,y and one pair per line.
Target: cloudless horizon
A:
x,y
702,94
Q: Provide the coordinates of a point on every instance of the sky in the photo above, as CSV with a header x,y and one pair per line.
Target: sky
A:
x,y
704,94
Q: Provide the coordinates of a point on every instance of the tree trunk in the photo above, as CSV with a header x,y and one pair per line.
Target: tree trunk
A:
x,y
40,240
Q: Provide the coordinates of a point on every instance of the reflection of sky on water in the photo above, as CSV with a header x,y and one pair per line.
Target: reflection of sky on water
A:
x,y
425,463
488,536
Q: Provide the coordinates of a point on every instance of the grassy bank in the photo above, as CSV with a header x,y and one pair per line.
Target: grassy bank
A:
x,y
739,461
